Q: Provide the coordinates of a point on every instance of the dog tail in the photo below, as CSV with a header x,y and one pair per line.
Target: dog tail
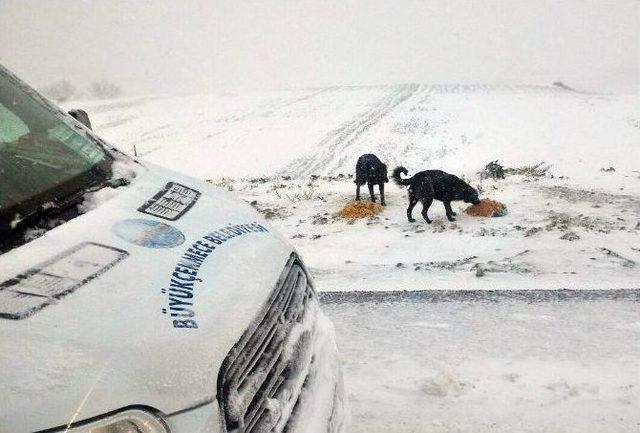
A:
x,y
396,176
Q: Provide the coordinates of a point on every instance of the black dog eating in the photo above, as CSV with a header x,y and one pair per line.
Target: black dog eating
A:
x,y
372,171
435,184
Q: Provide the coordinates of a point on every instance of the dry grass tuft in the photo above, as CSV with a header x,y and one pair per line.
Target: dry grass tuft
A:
x,y
487,208
359,209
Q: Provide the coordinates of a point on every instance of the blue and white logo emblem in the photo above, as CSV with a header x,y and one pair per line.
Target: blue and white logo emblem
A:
x,y
148,233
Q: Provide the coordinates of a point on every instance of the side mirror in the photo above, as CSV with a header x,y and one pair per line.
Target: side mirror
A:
x,y
81,116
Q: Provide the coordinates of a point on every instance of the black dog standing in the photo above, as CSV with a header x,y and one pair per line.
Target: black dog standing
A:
x,y
435,184
372,171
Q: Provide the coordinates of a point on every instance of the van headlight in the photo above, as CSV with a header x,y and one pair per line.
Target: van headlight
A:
x,y
128,421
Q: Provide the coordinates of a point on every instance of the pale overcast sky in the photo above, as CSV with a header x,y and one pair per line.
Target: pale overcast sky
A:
x,y
179,46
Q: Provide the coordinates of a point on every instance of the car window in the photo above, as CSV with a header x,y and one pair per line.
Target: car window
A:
x,y
11,127
39,151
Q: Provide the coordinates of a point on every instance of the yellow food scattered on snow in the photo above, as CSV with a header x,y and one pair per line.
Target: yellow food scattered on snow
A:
x,y
359,209
487,208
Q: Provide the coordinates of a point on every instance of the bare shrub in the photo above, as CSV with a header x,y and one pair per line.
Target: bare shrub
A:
x,y
104,90
60,91
535,170
306,194
495,170
223,182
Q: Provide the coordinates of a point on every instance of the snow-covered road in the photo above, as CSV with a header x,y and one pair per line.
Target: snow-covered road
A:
x,y
549,361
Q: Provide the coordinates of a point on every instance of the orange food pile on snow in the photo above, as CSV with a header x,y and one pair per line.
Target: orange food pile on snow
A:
x,y
487,208
359,209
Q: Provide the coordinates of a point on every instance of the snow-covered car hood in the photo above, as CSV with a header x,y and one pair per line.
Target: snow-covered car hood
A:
x,y
101,312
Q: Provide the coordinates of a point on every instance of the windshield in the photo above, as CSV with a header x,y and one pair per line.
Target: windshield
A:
x,y
42,157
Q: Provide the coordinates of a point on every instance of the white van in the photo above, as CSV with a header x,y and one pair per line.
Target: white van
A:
x,y
137,299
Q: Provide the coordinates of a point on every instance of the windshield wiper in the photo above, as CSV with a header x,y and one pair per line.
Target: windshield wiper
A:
x,y
110,183
77,197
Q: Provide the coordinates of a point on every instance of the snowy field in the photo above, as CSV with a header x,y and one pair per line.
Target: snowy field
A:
x,y
444,361
490,363
291,153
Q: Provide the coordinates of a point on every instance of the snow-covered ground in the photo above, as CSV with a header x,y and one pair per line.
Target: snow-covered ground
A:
x,y
285,151
413,363
416,362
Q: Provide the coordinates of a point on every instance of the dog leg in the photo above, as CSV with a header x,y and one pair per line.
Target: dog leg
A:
x,y
382,195
357,192
373,197
426,203
450,212
412,203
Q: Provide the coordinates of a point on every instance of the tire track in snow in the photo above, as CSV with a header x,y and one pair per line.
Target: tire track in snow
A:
x,y
224,123
294,101
451,88
333,146
272,108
